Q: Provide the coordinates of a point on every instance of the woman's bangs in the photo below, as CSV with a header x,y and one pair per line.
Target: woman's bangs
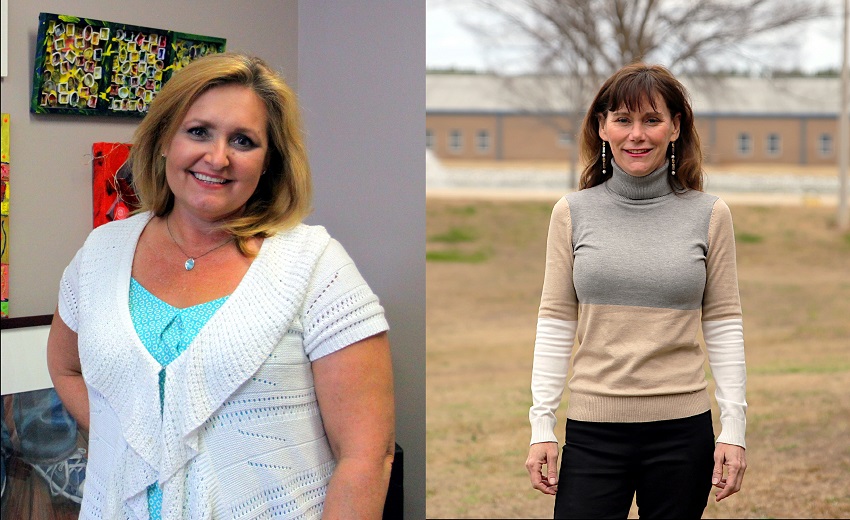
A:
x,y
633,92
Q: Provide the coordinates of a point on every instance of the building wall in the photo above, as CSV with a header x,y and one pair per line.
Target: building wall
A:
x,y
514,137
815,127
530,137
706,129
729,130
467,126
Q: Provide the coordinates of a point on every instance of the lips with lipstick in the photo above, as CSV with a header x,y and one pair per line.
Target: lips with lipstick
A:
x,y
638,151
207,179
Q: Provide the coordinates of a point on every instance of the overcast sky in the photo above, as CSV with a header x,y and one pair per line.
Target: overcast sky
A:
x,y
449,44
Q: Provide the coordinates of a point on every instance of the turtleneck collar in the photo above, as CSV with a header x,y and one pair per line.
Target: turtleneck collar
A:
x,y
649,186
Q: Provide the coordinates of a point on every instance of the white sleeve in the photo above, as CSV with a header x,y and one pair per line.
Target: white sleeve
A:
x,y
340,309
724,342
552,349
69,293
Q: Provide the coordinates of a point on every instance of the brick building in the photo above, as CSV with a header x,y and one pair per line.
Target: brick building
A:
x,y
790,121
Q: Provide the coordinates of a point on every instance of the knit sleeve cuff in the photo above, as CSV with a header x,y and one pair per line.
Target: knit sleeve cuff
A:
x,y
374,323
733,431
543,430
340,308
69,293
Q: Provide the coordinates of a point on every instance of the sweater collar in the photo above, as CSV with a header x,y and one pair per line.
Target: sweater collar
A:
x,y
650,186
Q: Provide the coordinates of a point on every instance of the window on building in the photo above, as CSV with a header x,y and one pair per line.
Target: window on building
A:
x,y
565,139
773,144
429,139
482,141
825,145
745,144
455,141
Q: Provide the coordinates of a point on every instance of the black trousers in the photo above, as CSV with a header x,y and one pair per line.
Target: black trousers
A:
x,y
668,464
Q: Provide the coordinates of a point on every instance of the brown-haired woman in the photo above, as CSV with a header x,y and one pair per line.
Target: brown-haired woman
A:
x,y
229,360
636,262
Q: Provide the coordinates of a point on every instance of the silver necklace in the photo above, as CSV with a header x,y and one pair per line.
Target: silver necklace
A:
x,y
190,262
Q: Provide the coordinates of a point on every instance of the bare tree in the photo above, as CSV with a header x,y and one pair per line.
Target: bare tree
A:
x,y
584,41
596,37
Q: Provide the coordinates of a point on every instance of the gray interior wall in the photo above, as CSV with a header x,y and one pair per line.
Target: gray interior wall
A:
x,y
358,68
362,89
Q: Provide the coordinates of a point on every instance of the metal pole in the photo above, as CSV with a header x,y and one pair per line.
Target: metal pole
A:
x,y
844,128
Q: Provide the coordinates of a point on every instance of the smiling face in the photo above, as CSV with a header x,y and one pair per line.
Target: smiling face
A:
x,y
638,138
214,162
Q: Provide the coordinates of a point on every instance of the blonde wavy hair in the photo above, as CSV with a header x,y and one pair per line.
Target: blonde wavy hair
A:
x,y
284,194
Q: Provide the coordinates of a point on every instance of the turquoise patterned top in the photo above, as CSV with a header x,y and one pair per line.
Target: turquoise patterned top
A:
x,y
165,332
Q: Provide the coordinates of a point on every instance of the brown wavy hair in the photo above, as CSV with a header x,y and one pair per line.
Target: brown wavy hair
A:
x,y
630,87
283,196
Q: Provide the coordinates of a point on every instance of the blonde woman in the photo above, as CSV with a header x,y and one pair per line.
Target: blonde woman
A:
x,y
228,361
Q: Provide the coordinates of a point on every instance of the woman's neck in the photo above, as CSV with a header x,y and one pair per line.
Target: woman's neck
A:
x,y
193,232
639,188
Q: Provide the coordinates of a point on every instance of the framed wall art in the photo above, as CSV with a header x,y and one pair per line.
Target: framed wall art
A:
x,y
113,196
85,66
4,215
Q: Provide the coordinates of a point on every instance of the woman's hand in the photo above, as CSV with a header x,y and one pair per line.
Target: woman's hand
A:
x,y
734,459
543,454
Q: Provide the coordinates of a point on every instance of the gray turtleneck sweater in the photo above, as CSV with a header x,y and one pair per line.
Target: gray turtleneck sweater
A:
x,y
632,271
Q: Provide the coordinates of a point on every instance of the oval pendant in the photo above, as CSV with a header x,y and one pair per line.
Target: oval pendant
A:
x,y
190,263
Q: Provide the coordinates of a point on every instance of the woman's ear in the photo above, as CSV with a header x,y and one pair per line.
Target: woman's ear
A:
x,y
676,120
602,133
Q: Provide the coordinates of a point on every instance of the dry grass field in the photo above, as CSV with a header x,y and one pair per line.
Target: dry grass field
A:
x,y
484,276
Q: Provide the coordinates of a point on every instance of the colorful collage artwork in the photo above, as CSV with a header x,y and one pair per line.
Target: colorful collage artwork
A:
x,y
4,210
92,67
112,183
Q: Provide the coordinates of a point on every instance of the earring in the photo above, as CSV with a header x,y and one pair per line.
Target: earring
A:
x,y
673,158
264,172
603,158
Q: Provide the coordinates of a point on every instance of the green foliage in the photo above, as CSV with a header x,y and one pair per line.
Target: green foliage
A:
x,y
748,238
454,255
454,235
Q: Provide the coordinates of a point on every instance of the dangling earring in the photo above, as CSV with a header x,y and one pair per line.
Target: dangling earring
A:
x,y
603,158
673,158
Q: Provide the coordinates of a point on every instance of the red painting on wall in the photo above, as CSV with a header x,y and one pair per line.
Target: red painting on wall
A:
x,y
113,196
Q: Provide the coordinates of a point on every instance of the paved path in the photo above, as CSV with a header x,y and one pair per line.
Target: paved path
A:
x,y
549,184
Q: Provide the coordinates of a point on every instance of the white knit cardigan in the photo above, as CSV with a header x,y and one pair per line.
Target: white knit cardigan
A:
x,y
240,435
